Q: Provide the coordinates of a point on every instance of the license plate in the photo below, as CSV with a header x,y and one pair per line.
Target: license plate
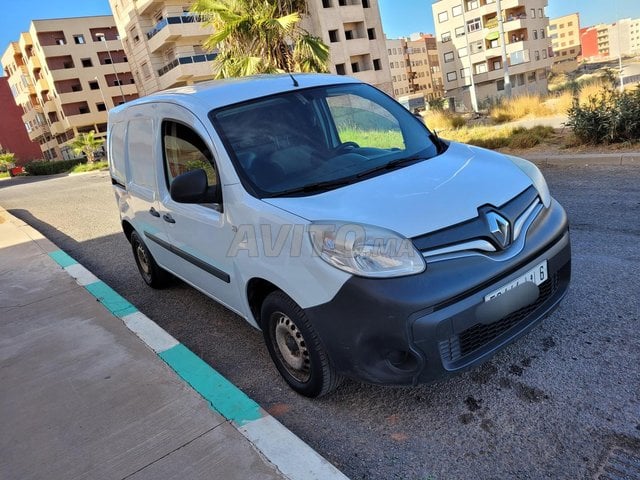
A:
x,y
537,275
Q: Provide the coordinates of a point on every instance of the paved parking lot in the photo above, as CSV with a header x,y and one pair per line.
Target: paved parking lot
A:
x,y
557,404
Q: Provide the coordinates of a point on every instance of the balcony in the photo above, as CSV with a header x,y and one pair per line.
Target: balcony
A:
x,y
58,128
49,106
37,132
352,12
41,86
358,46
183,69
172,28
145,5
33,63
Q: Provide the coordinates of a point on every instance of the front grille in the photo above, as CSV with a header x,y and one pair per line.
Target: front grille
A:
x,y
475,337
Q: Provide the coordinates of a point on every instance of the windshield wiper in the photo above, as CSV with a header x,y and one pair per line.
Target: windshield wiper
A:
x,y
393,164
314,187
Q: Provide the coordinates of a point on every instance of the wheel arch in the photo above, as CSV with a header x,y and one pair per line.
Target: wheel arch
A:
x,y
128,229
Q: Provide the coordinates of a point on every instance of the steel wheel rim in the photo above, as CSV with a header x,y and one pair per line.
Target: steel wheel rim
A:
x,y
143,260
291,347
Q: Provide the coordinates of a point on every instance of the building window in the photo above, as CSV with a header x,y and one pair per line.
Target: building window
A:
x,y
371,33
541,13
445,37
459,31
146,72
497,64
480,68
355,67
536,55
474,25
101,107
464,72
376,64
452,76
333,36
462,52
500,85
456,11
94,85
544,53
78,39
533,13
443,17
326,4
448,57
366,4
340,70
542,33
472,4
535,34
531,76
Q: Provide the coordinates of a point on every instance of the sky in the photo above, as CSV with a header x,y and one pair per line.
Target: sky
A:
x,y
399,17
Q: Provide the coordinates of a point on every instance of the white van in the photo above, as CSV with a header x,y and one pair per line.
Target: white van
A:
x,y
325,214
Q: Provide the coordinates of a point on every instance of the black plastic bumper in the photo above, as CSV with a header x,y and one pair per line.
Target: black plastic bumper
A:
x,y
419,328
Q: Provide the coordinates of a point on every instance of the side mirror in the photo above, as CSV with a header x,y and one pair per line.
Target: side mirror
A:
x,y
190,187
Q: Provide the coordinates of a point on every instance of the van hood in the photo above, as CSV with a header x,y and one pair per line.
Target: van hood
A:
x,y
421,198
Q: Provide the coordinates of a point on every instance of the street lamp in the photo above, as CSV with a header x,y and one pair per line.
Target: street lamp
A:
x,y
102,38
505,64
101,92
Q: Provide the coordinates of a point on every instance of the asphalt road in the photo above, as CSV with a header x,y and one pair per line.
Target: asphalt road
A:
x,y
550,406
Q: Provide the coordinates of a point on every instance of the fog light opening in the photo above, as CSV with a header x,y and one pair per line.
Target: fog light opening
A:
x,y
402,360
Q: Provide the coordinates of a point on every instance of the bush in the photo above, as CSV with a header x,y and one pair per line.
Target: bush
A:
x,y
51,168
609,117
442,121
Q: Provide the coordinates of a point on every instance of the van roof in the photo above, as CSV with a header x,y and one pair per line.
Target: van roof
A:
x,y
206,96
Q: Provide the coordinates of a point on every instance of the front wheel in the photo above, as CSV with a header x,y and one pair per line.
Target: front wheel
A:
x,y
295,347
151,273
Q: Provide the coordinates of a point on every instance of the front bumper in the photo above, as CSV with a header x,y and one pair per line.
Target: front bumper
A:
x,y
416,329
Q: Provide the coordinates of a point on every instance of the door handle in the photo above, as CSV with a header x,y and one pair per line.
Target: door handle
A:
x,y
154,212
168,218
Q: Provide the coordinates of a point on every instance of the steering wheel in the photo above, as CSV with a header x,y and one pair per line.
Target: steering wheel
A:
x,y
346,146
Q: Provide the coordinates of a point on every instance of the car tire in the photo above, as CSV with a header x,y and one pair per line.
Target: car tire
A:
x,y
295,347
151,273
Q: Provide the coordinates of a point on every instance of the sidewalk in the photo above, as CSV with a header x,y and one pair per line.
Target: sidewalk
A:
x,y
84,397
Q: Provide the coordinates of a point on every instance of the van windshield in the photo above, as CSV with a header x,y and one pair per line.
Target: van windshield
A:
x,y
309,141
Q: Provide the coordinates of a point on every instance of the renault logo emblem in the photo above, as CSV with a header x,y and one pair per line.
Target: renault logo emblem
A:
x,y
499,227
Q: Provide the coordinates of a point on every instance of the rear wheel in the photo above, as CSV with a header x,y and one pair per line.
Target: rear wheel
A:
x,y
151,273
295,347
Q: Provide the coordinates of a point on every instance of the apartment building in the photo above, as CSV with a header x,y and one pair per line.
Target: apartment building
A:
x,y
13,136
65,74
353,31
470,43
565,40
415,68
163,41
610,41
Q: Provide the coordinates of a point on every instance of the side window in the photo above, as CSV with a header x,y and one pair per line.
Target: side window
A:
x,y
116,152
364,122
184,150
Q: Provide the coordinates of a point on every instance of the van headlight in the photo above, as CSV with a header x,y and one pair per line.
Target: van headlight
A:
x,y
536,177
365,250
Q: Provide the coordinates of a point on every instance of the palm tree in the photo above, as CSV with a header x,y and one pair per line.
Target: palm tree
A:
x,y
260,36
87,143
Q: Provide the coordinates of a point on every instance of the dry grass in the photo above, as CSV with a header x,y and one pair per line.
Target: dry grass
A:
x,y
521,106
440,120
494,137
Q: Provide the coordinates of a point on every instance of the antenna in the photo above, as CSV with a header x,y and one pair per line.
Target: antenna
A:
x,y
295,82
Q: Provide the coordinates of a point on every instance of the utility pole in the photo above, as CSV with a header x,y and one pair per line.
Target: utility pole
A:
x,y
472,87
503,42
103,38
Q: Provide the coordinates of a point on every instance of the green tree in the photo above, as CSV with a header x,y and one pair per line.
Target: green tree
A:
x,y
6,161
260,36
88,144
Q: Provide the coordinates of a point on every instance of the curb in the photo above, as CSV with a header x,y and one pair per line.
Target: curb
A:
x,y
288,453
578,160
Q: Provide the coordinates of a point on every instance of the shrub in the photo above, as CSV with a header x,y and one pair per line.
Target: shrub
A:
x,y
609,117
51,168
524,140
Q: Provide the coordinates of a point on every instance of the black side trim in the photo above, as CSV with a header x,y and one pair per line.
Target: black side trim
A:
x,y
216,272
118,183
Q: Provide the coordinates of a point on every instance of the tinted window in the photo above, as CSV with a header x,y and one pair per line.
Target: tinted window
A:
x,y
299,139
